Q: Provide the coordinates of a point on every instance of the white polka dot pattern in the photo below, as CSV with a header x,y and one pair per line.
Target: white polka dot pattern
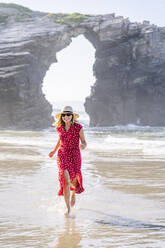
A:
x,y
69,156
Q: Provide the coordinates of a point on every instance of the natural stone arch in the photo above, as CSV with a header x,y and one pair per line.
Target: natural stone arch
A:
x,y
129,68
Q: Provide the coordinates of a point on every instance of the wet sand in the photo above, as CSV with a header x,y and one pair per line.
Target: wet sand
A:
x,y
123,204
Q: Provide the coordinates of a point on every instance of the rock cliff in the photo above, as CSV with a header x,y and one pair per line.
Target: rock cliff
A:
x,y
129,67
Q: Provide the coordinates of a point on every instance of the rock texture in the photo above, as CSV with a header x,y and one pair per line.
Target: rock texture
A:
x,y
130,75
129,67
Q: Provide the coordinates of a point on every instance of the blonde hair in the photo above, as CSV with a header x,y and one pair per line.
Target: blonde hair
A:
x,y
60,122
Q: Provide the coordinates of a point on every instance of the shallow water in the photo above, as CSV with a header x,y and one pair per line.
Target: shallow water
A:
x,y
124,200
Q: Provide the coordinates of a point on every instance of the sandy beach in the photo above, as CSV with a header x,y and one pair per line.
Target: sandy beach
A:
x,y
123,204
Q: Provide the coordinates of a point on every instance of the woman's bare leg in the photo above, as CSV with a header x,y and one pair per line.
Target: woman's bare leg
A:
x,y
73,196
67,191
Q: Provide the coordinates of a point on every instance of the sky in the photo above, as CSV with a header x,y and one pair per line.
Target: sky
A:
x,y
71,78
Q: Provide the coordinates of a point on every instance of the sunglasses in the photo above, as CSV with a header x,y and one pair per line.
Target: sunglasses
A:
x,y
68,114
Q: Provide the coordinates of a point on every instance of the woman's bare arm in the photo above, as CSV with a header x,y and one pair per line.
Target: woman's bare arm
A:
x,y
82,139
55,149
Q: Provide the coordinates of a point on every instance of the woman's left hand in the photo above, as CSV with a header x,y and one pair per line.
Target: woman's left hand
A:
x,y
82,146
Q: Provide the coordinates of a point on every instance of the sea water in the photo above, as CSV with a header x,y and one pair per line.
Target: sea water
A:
x,y
123,204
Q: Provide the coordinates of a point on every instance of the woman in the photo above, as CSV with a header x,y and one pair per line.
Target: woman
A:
x,y
69,156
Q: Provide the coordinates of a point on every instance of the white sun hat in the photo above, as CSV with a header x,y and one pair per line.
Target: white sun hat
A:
x,y
65,110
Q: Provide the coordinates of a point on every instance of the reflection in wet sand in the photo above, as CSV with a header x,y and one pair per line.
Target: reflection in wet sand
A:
x,y
70,237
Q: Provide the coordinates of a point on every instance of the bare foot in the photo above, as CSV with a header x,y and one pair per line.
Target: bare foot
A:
x,y
73,199
67,212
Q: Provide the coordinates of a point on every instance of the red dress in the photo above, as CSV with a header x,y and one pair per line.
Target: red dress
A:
x,y
69,156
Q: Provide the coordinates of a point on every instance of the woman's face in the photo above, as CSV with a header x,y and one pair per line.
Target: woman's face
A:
x,y
66,117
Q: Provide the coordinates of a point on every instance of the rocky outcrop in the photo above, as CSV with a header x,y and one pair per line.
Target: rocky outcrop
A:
x,y
129,70
129,67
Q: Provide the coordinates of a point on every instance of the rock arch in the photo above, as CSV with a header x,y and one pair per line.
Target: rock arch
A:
x,y
129,67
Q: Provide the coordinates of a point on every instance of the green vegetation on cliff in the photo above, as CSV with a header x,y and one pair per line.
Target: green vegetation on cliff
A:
x,y
10,12
13,11
75,18
15,6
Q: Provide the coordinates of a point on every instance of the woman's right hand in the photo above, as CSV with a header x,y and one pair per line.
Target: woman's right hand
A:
x,y
51,154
